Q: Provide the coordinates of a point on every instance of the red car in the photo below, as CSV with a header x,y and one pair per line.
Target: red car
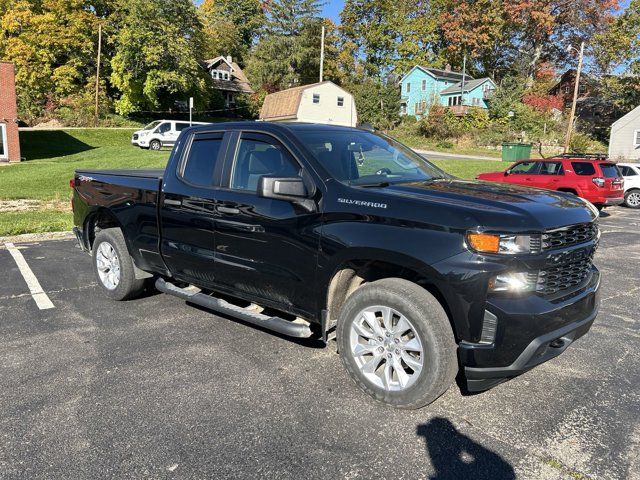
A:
x,y
591,177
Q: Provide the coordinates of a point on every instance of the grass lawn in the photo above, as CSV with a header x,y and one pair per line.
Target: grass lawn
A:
x,y
53,156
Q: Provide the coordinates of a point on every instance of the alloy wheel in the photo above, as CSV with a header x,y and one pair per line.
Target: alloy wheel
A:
x,y
386,348
108,265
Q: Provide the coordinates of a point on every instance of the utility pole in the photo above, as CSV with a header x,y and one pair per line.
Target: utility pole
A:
x,y
322,55
98,73
464,68
567,139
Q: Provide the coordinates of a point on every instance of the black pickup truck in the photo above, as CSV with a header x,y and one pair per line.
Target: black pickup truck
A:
x,y
334,232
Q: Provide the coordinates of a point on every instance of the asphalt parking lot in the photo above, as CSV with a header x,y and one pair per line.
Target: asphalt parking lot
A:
x,y
156,388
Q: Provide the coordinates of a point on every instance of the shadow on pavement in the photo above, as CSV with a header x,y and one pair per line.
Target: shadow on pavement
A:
x,y
455,456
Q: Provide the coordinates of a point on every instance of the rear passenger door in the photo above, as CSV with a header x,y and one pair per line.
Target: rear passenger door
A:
x,y
187,208
549,175
266,248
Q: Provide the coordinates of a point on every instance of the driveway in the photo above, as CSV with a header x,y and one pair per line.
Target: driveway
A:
x,y
156,388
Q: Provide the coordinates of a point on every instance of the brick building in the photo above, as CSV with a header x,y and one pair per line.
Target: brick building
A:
x,y
9,141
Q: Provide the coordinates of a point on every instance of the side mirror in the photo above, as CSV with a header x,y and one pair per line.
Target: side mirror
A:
x,y
291,189
283,188
507,173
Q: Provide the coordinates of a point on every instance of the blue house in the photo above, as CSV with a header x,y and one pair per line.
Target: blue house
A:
x,y
422,87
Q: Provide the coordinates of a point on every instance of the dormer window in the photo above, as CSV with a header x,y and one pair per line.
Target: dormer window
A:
x,y
219,75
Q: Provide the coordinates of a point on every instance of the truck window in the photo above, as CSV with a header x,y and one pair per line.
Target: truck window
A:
x,y
583,168
255,159
201,161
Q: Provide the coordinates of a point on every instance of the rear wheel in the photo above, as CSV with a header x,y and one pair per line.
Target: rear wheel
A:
x,y
113,265
396,342
632,199
155,145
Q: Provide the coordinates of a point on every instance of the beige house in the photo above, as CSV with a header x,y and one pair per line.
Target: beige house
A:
x,y
624,142
323,102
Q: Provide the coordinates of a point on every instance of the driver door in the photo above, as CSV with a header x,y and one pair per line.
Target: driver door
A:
x,y
265,247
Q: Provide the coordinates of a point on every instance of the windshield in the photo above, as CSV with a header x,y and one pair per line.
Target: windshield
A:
x,y
152,125
366,159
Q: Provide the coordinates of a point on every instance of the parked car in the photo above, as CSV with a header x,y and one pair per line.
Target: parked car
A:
x,y
631,174
336,232
593,178
161,133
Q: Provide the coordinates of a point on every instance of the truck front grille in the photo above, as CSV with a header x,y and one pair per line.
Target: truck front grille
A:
x,y
563,277
567,236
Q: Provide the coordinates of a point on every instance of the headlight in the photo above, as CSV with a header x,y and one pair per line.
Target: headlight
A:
x,y
495,243
512,282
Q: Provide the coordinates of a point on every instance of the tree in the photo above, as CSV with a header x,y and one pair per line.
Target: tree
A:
x,y
157,53
52,44
288,52
230,26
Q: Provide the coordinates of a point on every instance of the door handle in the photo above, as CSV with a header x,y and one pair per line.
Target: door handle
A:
x,y
230,210
168,201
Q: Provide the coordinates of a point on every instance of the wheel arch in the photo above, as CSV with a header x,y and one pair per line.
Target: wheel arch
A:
x,y
569,190
100,219
359,268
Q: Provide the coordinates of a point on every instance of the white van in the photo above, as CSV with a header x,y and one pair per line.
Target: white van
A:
x,y
161,133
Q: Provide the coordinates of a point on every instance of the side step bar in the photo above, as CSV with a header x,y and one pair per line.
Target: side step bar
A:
x,y
276,324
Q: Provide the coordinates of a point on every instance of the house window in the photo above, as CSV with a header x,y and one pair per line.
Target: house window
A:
x,y
340,101
636,138
567,89
424,85
408,88
582,89
316,98
214,74
4,154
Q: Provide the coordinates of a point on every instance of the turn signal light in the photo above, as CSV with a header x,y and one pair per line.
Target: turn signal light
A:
x,y
72,183
484,242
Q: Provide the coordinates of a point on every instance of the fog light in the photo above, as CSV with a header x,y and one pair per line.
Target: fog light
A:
x,y
512,282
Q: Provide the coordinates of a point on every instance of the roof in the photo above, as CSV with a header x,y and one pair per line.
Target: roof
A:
x,y
272,127
438,73
468,86
628,117
238,82
283,105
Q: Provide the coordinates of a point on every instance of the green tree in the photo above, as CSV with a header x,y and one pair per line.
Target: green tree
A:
x,y
288,52
52,43
377,101
230,26
157,52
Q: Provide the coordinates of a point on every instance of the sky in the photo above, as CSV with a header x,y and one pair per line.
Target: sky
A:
x,y
332,10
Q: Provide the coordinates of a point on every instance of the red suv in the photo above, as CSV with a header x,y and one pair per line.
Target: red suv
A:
x,y
591,177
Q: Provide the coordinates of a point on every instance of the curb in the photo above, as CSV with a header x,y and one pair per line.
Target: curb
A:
x,y
36,237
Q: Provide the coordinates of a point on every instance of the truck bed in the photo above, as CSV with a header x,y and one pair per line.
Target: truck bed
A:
x,y
155,173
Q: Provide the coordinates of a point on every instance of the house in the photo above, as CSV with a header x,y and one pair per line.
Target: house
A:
x,y
228,78
566,84
323,102
9,140
624,141
422,87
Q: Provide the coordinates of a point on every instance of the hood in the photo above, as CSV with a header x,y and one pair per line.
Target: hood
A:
x,y
499,205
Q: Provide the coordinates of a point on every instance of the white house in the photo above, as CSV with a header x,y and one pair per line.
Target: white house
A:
x,y
323,102
624,142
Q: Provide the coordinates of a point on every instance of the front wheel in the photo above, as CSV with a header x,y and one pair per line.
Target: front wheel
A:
x,y
396,342
632,199
113,265
155,145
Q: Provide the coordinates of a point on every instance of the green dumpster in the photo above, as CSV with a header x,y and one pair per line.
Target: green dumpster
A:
x,y
512,152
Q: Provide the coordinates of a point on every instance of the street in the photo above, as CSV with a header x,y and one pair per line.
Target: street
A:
x,y
158,388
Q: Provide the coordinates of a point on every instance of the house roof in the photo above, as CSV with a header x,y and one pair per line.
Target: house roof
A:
x,y
237,82
438,73
468,86
283,105
625,119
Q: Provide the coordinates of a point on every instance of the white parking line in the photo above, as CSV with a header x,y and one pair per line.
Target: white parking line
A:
x,y
42,300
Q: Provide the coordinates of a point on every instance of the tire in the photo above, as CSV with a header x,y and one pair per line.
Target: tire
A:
x,y
155,145
632,198
432,371
113,266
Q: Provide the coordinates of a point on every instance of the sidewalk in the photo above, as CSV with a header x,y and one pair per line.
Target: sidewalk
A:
x,y
454,156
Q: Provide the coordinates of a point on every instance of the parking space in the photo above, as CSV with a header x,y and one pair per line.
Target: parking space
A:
x,y
155,388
